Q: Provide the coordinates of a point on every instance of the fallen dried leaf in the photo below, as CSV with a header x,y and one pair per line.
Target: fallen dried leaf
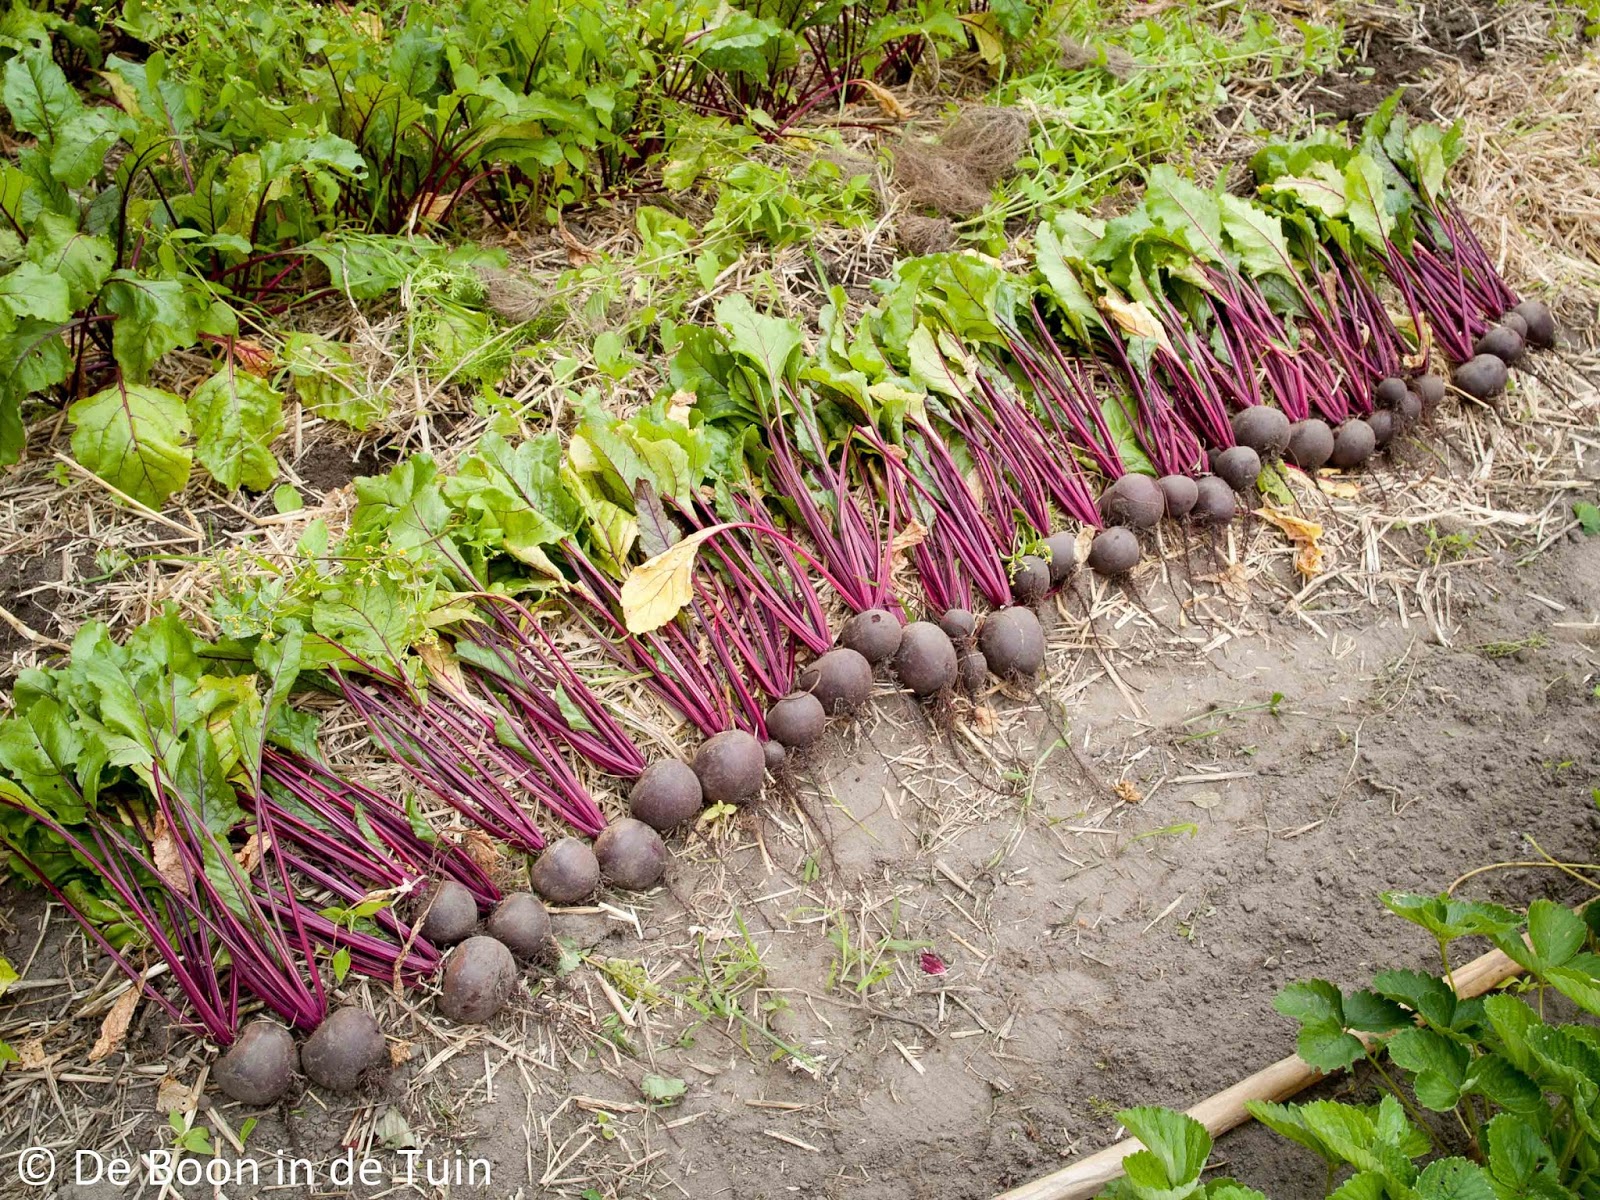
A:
x,y
886,100
1124,790
114,1029
174,1096
1306,535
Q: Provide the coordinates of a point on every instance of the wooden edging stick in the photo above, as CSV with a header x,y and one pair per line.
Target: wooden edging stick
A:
x,y
1225,1110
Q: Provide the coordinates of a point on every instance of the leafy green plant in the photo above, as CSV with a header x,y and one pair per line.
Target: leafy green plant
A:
x,y
1515,1091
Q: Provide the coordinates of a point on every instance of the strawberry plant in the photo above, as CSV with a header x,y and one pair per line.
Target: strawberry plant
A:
x,y
1494,1098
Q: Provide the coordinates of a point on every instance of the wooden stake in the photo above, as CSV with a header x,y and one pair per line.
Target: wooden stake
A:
x,y
1226,1109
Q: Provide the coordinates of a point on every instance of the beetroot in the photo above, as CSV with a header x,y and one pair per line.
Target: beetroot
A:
x,y
797,721
732,767
1388,392
1482,377
449,913
1265,430
1310,444
926,660
1134,500
1115,552
972,671
1012,642
632,856
1504,342
1381,422
775,754
666,795
1238,466
874,634
521,924
1063,547
260,1065
841,679
566,873
1430,389
1353,443
959,625
344,1050
1215,502
478,978
1541,323
1030,579
1179,492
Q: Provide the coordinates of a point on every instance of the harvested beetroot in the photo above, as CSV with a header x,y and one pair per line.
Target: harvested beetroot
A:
x,y
632,855
521,924
1514,320
1430,389
1409,411
566,873
776,755
1178,492
1381,422
732,766
874,634
1063,556
1541,322
260,1065
1504,342
449,913
1215,503
1237,466
959,625
478,978
1310,444
1482,377
1353,443
926,661
345,1048
841,679
972,672
1262,428
1012,642
1115,552
1134,500
1389,392
1030,579
797,721
666,795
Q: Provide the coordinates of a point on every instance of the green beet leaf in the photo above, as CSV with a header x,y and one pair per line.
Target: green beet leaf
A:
x,y
136,438
236,417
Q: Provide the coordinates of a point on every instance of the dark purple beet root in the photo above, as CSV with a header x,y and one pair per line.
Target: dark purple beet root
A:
x,y
449,913
1503,342
973,672
1389,392
732,767
1310,444
632,856
926,661
1237,466
1134,500
1178,491
776,755
521,924
1063,556
841,679
873,634
1514,320
1012,642
1353,443
566,873
1265,430
666,795
1215,502
797,720
260,1065
344,1048
1430,389
1409,411
1381,422
1030,579
1541,322
959,625
1482,377
1115,552
478,978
